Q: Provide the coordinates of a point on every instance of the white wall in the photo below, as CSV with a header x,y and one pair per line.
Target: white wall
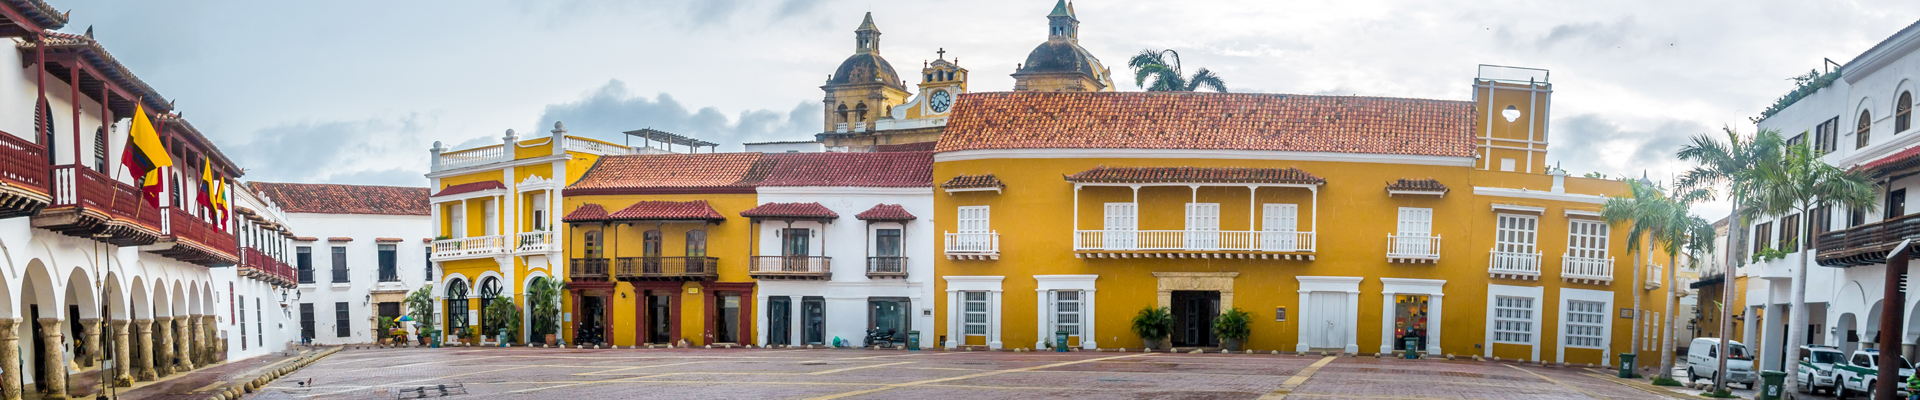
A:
x,y
849,241
363,267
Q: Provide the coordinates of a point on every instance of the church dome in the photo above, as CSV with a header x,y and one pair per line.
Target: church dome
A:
x,y
866,67
1062,56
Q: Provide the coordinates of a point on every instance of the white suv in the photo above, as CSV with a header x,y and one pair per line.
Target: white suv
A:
x,y
1859,373
1818,367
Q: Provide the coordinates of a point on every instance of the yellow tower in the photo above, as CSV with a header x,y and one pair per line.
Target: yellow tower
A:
x,y
1060,64
941,82
1513,105
864,88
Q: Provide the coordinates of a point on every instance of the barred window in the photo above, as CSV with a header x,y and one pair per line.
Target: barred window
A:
x,y
1585,323
1067,311
1513,320
976,313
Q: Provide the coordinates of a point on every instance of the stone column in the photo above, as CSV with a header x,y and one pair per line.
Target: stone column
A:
x,y
143,360
10,357
197,347
183,348
55,386
122,351
90,327
163,346
209,353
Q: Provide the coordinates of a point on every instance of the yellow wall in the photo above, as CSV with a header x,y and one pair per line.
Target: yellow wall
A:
x,y
1035,219
727,241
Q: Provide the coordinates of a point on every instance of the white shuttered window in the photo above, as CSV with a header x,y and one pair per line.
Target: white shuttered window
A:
x,y
1123,224
1279,226
1513,320
1203,226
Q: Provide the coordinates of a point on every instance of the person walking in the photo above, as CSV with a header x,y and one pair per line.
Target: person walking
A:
x,y
1913,387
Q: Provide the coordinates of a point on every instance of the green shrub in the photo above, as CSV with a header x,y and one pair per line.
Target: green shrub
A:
x,y
1153,323
1233,324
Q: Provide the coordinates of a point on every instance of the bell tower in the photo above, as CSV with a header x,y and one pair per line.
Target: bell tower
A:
x,y
864,88
1061,24
1512,106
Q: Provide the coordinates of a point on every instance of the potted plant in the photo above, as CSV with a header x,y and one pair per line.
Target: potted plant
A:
x,y
473,335
507,315
1153,324
420,306
543,301
1232,327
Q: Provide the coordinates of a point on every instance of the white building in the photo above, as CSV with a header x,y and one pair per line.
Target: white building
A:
x,y
1863,121
252,301
364,249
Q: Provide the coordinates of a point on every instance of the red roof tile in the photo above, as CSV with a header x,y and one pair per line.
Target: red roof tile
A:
x,y
922,146
1210,121
1901,160
1104,174
389,240
470,188
339,239
790,210
897,169
1417,185
586,212
317,198
306,239
667,210
973,182
673,173
885,212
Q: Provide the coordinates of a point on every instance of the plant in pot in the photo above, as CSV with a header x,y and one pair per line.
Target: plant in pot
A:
x,y
1153,325
420,307
543,302
508,316
1232,328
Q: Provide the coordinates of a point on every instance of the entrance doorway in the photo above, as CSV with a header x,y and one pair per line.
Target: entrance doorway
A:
x,y
1410,321
390,313
813,316
780,320
889,314
593,323
1193,313
726,321
1328,318
659,317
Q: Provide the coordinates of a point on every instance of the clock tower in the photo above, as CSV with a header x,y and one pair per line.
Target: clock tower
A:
x,y
941,82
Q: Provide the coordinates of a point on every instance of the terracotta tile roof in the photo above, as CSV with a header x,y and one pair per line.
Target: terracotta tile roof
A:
x,y
897,169
389,240
40,12
922,146
317,198
1892,162
1417,185
673,173
339,239
470,188
790,210
306,239
1104,174
97,55
1211,121
667,210
586,213
885,212
973,182
426,240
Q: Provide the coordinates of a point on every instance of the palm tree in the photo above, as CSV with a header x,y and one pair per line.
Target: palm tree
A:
x,y
1164,67
1674,225
1639,208
1801,182
1721,163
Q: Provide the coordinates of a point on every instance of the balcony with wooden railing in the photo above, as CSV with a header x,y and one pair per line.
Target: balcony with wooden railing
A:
x,y
973,245
683,268
192,239
886,267
86,203
469,247
1288,245
256,264
1513,265
588,270
23,177
791,267
1866,244
1597,271
1413,248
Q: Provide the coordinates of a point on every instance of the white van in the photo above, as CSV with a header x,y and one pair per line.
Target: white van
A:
x,y
1703,360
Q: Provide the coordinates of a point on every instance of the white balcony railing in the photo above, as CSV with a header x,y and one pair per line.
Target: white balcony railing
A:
x,y
973,245
469,247
534,242
1653,275
839,127
1413,248
1281,242
1587,269
585,145
475,156
1505,264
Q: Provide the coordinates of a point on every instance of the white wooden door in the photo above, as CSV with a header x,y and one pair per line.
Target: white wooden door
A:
x,y
459,218
1279,225
1416,224
1329,320
973,227
1203,226
493,218
1122,229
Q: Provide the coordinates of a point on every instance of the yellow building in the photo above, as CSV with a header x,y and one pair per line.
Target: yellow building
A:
x,y
493,212
1321,216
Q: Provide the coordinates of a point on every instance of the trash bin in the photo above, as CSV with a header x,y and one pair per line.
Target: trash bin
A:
x,y
1772,384
913,340
1060,340
1626,365
1412,344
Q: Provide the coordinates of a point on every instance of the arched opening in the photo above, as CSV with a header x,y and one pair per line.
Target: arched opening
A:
x,y
489,291
40,300
1902,110
840,116
860,113
1863,132
1847,333
456,307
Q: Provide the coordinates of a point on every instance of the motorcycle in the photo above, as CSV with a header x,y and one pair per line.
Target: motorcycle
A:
x,y
879,337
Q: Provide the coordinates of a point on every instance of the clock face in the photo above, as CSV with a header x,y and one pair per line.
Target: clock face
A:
x,y
940,101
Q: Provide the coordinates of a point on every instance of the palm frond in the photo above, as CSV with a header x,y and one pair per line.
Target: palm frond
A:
x,y
1205,78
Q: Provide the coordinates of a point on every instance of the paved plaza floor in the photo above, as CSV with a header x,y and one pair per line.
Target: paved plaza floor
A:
x,y
523,373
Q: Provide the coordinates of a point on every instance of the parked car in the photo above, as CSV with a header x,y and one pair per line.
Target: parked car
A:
x,y
1703,361
1819,365
1859,373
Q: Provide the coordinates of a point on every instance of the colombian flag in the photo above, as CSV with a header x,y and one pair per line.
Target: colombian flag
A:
x,y
206,185
145,155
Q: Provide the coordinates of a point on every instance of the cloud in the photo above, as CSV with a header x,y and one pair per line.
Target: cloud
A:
x,y
370,151
1596,143
606,111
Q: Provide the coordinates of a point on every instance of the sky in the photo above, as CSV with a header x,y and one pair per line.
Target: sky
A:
x,y
359,91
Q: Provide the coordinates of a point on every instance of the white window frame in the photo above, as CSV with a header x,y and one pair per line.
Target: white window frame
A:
x,y
975,219
1586,324
1203,226
1059,309
1511,312
1280,227
1516,233
1414,223
1122,226
969,312
1047,289
957,289
1587,239
458,220
492,215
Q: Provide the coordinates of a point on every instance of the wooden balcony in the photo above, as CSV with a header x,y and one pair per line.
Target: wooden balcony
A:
x,y
1866,244
191,239
588,270
684,268
256,264
23,177
88,204
1194,244
791,267
886,267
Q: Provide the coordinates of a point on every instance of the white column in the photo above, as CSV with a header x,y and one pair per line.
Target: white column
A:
x,y
953,319
1087,336
1353,321
1387,312
1301,334
1046,320
993,319
760,313
1433,324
